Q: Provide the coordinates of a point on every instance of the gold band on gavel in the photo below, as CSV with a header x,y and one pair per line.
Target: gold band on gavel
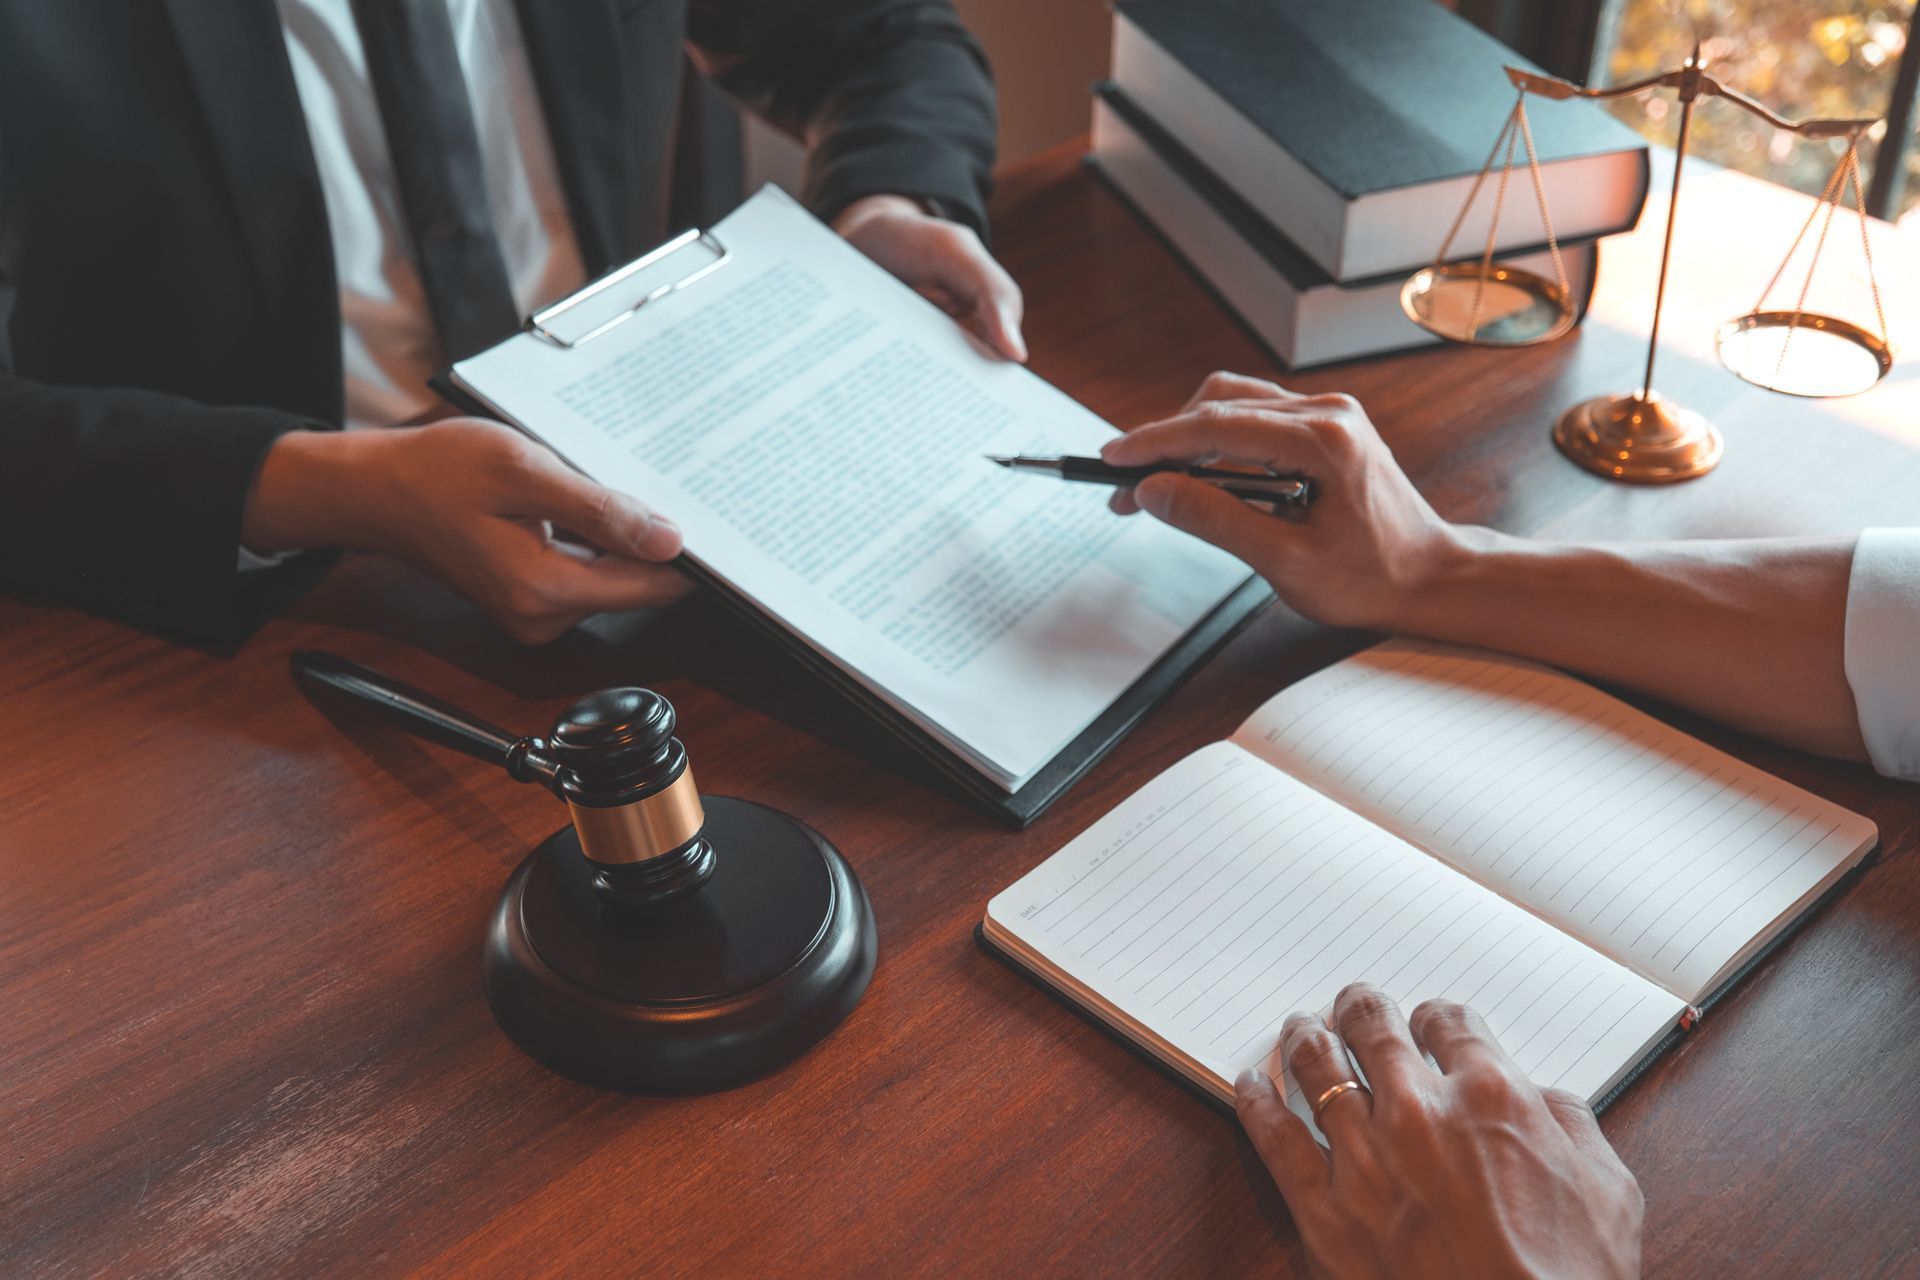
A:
x,y
644,829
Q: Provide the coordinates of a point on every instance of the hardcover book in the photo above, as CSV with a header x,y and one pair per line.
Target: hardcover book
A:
x,y
1356,127
1296,310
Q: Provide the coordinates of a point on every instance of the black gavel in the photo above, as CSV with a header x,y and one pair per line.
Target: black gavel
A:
x,y
657,944
611,756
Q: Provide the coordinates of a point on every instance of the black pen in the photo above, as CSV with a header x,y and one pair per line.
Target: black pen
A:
x,y
1294,493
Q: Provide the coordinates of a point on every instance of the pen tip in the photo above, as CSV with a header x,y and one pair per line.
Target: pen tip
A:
x,y
1005,462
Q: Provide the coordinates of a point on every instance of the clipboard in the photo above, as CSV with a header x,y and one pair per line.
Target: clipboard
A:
x,y
599,307
541,323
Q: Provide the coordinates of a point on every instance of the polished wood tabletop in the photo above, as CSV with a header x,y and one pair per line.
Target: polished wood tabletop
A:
x,y
241,1022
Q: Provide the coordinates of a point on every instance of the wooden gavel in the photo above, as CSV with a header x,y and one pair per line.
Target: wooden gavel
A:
x,y
659,943
611,756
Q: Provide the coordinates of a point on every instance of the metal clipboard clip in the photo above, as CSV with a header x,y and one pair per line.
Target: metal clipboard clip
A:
x,y
539,323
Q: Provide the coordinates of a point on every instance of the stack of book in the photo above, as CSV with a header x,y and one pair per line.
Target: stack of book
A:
x,y
1305,156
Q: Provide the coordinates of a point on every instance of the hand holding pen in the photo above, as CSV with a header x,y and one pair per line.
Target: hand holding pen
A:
x,y
1371,546
1292,493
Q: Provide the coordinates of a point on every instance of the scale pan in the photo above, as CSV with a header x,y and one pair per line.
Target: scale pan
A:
x,y
1487,306
1800,353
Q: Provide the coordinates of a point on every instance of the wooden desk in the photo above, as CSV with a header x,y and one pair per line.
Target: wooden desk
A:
x,y
243,1028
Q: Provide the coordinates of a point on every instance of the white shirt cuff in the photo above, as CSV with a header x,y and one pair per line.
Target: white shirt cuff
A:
x,y
1883,647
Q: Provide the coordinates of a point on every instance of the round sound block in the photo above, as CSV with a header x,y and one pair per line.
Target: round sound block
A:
x,y
703,992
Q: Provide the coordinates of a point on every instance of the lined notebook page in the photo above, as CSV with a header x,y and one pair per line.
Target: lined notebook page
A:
x,y
1665,853
1224,895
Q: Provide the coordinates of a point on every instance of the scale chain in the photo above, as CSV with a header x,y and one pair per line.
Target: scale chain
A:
x,y
1540,195
1516,120
1819,243
1828,192
1845,174
1473,193
1866,248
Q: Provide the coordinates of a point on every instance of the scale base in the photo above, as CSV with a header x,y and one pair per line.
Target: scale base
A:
x,y
1638,440
700,993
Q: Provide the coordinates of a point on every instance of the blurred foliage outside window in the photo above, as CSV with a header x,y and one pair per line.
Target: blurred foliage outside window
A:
x,y
1799,58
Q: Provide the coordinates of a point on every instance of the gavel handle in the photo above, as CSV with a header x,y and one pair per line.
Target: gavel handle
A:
x,y
421,714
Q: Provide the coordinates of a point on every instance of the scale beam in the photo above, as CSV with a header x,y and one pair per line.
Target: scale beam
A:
x,y
1692,81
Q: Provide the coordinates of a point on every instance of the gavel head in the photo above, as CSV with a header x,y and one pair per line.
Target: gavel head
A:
x,y
627,783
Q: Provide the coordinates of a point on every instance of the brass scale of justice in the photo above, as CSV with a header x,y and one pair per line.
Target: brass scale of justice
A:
x,y
1639,436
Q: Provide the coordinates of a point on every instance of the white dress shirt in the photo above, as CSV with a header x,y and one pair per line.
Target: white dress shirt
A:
x,y
387,337
388,346
1883,647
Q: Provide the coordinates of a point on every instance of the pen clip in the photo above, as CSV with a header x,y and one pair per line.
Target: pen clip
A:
x,y
1293,492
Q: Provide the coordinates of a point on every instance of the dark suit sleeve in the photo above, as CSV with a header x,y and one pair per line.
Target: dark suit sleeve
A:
x,y
894,96
127,503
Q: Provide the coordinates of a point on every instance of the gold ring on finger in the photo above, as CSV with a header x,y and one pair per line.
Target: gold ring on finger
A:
x,y
1329,1094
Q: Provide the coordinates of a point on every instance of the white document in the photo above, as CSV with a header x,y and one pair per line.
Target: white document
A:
x,y
818,430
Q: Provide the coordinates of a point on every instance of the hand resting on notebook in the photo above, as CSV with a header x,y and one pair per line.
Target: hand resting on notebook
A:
x,y
491,513
1464,1170
1376,555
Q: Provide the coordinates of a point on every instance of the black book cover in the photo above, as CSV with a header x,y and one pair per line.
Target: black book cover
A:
x,y
1370,95
1288,260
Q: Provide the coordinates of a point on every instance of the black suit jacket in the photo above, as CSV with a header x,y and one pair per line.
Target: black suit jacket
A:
x,y
167,296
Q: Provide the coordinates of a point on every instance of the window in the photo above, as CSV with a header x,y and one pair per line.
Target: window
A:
x,y
1801,58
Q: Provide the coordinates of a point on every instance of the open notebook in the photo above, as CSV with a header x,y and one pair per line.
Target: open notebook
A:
x,y
818,430
1443,823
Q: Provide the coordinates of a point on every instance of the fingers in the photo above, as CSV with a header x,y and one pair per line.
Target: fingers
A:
x,y
1577,1118
1286,1147
944,261
1455,1035
611,584
1222,385
548,489
1238,418
1376,1034
556,589
1317,1060
1238,430
997,305
989,302
1211,515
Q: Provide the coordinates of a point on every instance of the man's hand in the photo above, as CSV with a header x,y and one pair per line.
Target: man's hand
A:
x,y
1469,1170
1372,542
492,514
942,260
